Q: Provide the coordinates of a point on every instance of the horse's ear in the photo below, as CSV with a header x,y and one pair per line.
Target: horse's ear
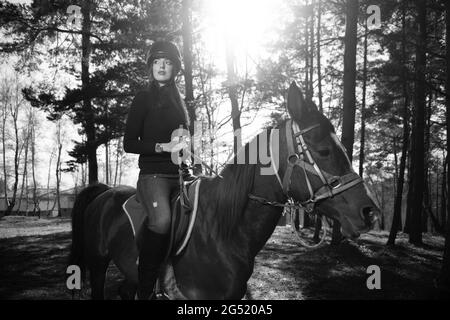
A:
x,y
296,103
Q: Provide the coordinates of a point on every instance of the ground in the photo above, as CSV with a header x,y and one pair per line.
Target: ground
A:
x,y
34,254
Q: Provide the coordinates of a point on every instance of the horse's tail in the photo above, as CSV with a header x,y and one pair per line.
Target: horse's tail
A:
x,y
84,198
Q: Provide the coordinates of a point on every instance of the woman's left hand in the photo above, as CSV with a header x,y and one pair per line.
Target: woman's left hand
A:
x,y
175,146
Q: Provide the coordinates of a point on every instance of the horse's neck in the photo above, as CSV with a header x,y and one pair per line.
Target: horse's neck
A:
x,y
229,262
257,221
261,220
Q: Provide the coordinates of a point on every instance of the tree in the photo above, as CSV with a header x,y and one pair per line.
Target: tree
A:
x,y
397,216
444,279
58,165
118,164
5,94
188,65
33,133
319,68
417,189
89,126
15,104
110,44
348,125
232,83
363,103
26,146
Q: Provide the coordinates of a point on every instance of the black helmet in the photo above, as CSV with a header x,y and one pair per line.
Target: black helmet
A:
x,y
164,49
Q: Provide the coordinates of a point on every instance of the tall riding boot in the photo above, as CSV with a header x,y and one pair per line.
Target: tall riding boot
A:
x,y
152,252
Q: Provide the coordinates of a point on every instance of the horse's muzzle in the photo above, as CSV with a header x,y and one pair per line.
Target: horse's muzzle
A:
x,y
370,216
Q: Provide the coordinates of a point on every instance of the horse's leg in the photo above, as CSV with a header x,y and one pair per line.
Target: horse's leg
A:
x,y
127,290
97,270
124,255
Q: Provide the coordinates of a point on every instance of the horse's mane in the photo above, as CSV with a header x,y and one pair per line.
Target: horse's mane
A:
x,y
232,194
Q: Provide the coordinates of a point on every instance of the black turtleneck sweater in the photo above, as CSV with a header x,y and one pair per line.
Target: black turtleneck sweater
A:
x,y
152,118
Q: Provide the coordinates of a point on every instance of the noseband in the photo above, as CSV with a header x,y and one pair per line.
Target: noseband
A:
x,y
299,155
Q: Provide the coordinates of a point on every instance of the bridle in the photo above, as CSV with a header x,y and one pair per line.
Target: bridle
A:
x,y
299,155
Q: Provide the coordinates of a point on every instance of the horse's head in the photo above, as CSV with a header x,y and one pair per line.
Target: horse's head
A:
x,y
318,172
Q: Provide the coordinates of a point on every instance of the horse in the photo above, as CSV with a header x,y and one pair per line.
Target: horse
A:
x,y
237,211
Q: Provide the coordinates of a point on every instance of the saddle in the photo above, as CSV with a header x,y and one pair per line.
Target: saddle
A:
x,y
183,209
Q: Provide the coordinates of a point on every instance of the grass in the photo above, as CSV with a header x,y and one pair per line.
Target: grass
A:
x,y
34,254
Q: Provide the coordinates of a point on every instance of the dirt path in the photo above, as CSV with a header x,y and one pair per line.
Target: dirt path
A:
x,y
34,253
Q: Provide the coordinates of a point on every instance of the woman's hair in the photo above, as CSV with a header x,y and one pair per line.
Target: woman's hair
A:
x,y
169,93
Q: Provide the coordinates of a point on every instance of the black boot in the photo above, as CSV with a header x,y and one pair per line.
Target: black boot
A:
x,y
152,252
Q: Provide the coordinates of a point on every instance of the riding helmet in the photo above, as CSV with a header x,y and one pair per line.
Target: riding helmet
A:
x,y
164,49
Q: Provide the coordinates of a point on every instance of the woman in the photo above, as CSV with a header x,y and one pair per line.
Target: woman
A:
x,y
153,116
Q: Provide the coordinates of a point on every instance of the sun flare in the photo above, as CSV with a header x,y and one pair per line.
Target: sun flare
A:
x,y
246,24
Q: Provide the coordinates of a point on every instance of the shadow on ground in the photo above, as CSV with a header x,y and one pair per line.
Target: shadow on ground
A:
x,y
340,272
34,267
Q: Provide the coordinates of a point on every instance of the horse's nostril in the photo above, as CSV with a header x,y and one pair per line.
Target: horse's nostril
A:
x,y
369,215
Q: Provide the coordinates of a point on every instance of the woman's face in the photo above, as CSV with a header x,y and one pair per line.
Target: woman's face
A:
x,y
162,69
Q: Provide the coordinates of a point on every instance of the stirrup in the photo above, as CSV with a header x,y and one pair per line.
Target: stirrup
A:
x,y
162,296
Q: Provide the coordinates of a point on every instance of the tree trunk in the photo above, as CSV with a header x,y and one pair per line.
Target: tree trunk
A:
x,y
118,157
188,77
311,55
363,106
415,230
437,193
120,170
348,125
427,212
4,118
444,279
58,167
27,198
15,114
25,167
319,72
33,164
187,59
397,216
383,207
306,54
87,106
107,161
395,150
444,188
48,178
83,174
233,94
410,195
107,169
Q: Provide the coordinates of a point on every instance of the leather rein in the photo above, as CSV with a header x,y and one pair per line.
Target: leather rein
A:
x,y
299,155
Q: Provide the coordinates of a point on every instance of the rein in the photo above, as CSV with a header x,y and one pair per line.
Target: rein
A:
x,y
331,185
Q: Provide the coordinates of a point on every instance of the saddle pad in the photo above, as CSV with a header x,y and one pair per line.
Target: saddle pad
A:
x,y
136,215
193,193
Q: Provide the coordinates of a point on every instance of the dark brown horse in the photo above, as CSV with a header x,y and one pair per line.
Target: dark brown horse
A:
x,y
236,213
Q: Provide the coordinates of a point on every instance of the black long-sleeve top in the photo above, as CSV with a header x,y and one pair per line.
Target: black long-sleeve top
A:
x,y
152,118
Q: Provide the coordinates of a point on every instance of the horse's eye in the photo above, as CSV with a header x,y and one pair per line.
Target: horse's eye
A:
x,y
324,152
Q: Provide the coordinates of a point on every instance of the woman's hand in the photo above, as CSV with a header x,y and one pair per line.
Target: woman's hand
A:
x,y
175,145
